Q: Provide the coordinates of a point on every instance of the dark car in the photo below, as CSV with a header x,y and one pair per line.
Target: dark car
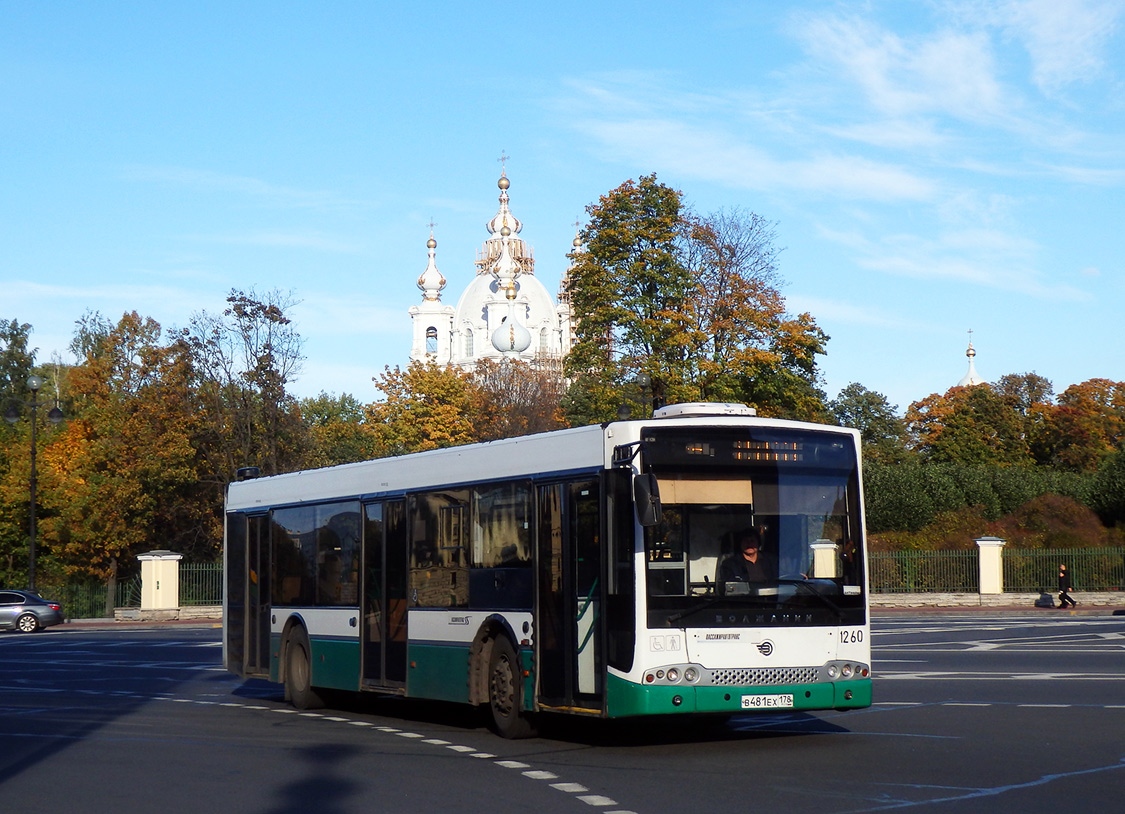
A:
x,y
27,611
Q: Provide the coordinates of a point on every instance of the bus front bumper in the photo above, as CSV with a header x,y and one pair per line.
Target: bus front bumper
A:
x,y
626,698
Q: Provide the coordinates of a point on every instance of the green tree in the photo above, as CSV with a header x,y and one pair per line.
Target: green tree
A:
x,y
1108,498
875,418
338,431
16,358
16,364
687,303
628,290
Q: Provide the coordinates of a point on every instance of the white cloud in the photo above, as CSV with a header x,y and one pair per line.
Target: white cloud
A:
x,y
946,72
1066,40
978,257
713,154
895,134
828,312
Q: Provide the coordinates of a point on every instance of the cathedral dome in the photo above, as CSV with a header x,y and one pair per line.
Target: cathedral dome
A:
x,y
504,311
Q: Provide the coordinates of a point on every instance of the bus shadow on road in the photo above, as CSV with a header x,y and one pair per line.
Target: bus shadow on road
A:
x,y
684,729
409,712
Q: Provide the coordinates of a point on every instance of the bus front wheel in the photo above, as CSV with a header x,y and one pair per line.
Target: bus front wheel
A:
x,y
298,672
505,678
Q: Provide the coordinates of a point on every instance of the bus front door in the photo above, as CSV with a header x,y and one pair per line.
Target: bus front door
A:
x,y
570,606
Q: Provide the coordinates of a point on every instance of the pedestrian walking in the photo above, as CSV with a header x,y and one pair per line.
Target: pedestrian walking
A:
x,y
1064,589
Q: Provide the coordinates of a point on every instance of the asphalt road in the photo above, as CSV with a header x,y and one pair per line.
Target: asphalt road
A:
x,y
991,713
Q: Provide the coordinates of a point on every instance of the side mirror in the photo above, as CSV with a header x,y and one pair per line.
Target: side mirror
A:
x,y
646,496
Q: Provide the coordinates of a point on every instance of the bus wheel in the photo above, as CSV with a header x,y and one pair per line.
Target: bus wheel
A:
x,y
298,672
504,696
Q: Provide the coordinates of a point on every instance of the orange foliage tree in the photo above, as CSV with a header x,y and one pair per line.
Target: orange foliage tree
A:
x,y
122,476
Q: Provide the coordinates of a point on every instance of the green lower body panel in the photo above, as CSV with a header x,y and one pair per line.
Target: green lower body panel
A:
x,y
440,672
625,699
335,664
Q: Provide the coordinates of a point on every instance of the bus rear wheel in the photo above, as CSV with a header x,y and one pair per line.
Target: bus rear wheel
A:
x,y
505,699
298,672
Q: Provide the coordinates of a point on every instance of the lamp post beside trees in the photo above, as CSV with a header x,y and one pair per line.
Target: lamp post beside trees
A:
x,y
12,415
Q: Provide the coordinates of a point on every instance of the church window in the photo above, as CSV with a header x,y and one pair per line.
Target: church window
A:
x,y
543,346
431,340
469,342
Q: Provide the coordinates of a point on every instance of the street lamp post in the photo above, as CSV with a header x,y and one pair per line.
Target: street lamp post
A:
x,y
11,415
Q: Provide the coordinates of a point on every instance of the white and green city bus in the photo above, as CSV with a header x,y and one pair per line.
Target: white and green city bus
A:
x,y
574,572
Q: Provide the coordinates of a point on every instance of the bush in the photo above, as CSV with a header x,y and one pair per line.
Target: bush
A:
x,y
1107,496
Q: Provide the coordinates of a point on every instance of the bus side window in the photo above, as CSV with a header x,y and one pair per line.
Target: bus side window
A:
x,y
438,565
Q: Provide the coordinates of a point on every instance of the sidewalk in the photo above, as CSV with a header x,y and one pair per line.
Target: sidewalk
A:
x,y
147,624
1106,602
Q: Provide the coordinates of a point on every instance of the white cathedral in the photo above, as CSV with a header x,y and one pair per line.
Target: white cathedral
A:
x,y
504,313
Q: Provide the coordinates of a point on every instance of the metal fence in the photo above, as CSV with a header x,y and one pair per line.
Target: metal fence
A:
x,y
1091,569
201,583
1025,571
925,571
86,600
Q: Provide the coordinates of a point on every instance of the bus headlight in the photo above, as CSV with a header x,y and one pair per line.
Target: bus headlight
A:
x,y
847,671
832,671
691,675
673,675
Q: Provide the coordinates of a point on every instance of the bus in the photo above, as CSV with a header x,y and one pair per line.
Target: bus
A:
x,y
586,571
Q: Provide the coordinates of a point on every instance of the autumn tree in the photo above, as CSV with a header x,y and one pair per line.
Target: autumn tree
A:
x,y
426,406
688,305
971,425
517,398
123,474
1086,426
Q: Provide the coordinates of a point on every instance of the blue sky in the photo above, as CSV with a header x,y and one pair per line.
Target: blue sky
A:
x,y
932,167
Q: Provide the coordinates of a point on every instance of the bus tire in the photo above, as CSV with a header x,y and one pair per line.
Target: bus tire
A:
x,y
298,671
505,697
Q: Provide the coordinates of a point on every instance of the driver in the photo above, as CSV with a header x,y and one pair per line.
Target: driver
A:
x,y
749,563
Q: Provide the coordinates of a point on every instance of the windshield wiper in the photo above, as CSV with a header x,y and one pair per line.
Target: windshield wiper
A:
x,y
808,586
704,605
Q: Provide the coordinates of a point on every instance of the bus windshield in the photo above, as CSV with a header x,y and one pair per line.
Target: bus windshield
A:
x,y
758,527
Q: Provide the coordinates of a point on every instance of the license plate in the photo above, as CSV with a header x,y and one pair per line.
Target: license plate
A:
x,y
767,701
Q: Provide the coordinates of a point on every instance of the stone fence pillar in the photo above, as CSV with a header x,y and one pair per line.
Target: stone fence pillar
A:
x,y
824,559
991,565
160,580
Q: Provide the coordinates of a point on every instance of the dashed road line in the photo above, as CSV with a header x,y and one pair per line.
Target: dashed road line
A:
x,y
580,792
